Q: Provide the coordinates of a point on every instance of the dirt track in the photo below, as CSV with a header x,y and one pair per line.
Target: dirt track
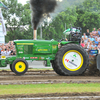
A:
x,y
46,76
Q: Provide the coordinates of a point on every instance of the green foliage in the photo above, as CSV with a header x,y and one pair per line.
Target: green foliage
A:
x,y
18,20
85,15
88,15
56,28
78,13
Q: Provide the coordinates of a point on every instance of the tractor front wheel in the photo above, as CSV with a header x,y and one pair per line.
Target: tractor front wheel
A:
x,y
19,66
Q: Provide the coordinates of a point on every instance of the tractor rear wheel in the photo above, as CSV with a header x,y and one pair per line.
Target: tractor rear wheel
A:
x,y
11,67
56,69
19,66
71,59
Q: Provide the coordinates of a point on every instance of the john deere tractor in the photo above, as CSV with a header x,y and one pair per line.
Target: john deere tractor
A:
x,y
69,59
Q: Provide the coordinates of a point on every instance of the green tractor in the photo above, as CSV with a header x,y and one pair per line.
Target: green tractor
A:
x,y
69,59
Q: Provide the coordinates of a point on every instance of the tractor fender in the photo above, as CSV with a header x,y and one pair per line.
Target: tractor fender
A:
x,y
68,42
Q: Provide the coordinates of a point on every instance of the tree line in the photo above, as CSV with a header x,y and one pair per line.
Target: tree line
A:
x,y
85,14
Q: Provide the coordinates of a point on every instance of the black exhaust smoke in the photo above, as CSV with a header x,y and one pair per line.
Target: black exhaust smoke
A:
x,y
39,8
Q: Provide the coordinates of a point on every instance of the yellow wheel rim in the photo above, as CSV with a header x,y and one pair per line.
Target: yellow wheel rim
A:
x,y
72,60
20,66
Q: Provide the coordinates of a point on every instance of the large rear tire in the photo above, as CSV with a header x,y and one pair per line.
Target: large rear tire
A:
x,y
71,59
56,69
19,66
11,67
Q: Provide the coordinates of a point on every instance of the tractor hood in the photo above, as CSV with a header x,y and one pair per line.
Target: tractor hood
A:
x,y
35,42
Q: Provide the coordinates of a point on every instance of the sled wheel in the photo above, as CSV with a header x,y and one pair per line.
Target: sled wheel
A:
x,y
19,66
11,67
72,59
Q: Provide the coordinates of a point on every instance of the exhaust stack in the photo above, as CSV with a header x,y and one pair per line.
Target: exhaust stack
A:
x,y
39,8
35,34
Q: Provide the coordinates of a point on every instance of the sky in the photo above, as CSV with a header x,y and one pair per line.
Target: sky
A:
x,y
22,1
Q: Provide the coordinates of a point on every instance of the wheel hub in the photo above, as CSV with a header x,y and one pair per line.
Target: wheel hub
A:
x,y
72,60
20,66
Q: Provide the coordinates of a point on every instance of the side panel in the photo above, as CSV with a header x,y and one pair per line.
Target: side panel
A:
x,y
36,49
42,48
24,48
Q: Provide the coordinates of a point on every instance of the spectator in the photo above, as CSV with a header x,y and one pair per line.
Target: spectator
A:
x,y
8,52
82,43
98,47
86,47
90,33
85,40
94,32
98,38
84,35
94,47
3,46
87,32
91,38
5,49
99,31
90,46
11,51
3,52
91,41
12,43
96,41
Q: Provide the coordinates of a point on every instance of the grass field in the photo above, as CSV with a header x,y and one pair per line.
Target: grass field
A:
x,y
49,88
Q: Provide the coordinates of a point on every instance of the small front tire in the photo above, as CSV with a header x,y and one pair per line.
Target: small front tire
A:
x,y
20,66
